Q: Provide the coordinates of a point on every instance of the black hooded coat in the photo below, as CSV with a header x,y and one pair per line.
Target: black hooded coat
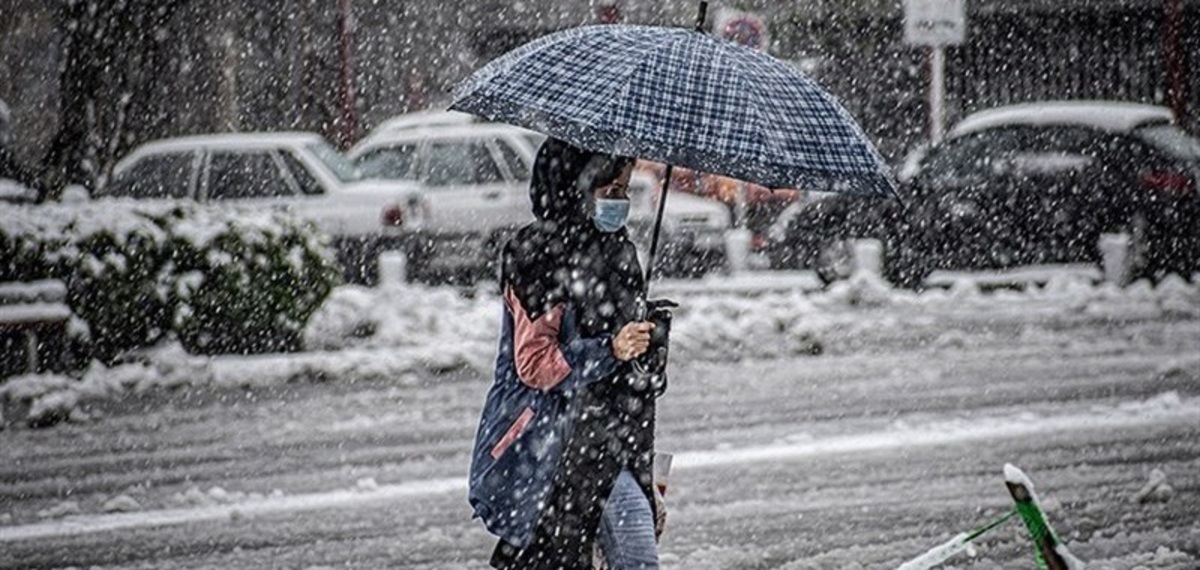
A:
x,y
563,258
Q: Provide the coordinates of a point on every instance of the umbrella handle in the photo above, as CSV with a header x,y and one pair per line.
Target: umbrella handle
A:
x,y
700,17
662,203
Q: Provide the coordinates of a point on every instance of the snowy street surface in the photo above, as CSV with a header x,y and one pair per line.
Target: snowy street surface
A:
x,y
854,428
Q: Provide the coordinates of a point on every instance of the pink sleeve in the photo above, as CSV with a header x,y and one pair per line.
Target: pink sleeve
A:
x,y
540,363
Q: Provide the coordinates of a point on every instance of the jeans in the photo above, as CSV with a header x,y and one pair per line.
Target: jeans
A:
x,y
627,527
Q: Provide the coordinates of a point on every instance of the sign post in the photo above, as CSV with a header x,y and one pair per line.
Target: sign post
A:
x,y
936,24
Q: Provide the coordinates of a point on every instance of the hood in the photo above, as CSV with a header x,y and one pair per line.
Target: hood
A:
x,y
555,190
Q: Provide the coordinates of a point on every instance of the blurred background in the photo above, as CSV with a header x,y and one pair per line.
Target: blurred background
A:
x,y
87,80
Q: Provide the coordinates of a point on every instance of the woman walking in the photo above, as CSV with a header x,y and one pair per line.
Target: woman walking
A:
x,y
564,452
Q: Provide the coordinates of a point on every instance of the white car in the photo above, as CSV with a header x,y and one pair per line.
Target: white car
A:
x,y
421,119
294,171
474,178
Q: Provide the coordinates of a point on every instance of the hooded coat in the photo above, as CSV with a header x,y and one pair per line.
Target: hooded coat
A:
x,y
554,436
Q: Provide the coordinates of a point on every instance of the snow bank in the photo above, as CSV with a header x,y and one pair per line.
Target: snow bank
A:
x,y
397,332
401,315
54,398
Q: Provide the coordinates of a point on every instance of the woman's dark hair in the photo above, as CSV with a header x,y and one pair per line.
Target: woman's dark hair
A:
x,y
602,169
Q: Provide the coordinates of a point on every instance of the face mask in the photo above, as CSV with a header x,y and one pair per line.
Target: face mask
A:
x,y
610,215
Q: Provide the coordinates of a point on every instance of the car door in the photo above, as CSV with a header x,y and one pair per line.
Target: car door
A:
x,y
961,198
468,187
253,178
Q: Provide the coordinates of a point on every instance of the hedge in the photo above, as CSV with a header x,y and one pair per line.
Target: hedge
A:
x,y
220,279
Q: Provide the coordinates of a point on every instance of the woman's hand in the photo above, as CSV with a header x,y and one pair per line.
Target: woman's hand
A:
x,y
632,341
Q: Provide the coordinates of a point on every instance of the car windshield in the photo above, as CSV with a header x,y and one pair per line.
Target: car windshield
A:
x,y
1172,140
338,164
395,162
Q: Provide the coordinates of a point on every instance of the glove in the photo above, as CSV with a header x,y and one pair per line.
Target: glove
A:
x,y
653,364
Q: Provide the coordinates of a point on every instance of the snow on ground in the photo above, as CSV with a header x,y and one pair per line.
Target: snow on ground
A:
x,y
396,331
888,443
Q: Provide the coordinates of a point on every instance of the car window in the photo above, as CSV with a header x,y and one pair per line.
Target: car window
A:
x,y
1172,140
971,157
514,159
341,167
390,162
154,176
1053,150
461,163
237,175
304,179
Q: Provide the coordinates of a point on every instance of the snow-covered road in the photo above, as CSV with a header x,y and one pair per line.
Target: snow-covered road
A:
x,y
889,442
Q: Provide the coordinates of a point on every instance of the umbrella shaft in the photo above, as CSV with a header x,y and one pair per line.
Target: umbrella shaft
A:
x,y
662,202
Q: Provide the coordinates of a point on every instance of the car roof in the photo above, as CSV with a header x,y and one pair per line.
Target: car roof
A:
x,y
219,140
238,139
429,117
1112,116
232,140
451,132
469,131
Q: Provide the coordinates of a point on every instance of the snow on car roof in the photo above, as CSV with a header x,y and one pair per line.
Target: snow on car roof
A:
x,y
233,140
430,117
450,131
1106,115
438,132
220,140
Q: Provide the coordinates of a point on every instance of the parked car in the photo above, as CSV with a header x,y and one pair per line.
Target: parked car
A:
x,y
435,119
817,232
474,185
1019,185
295,171
759,205
474,181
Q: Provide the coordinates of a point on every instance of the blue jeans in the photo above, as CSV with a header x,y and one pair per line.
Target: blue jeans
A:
x,y
627,527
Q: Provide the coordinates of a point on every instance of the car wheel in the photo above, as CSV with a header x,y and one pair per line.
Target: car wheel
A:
x,y
835,261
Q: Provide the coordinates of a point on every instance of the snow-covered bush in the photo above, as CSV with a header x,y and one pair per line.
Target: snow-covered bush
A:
x,y
116,284
247,283
219,279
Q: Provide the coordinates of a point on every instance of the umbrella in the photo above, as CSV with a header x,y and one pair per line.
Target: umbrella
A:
x,y
683,98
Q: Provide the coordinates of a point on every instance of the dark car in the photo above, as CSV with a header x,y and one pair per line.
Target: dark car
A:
x,y
1021,185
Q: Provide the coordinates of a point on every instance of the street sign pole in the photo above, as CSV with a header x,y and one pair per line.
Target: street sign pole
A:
x,y
937,93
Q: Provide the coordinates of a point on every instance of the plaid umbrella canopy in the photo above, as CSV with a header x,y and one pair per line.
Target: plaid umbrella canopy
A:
x,y
683,98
